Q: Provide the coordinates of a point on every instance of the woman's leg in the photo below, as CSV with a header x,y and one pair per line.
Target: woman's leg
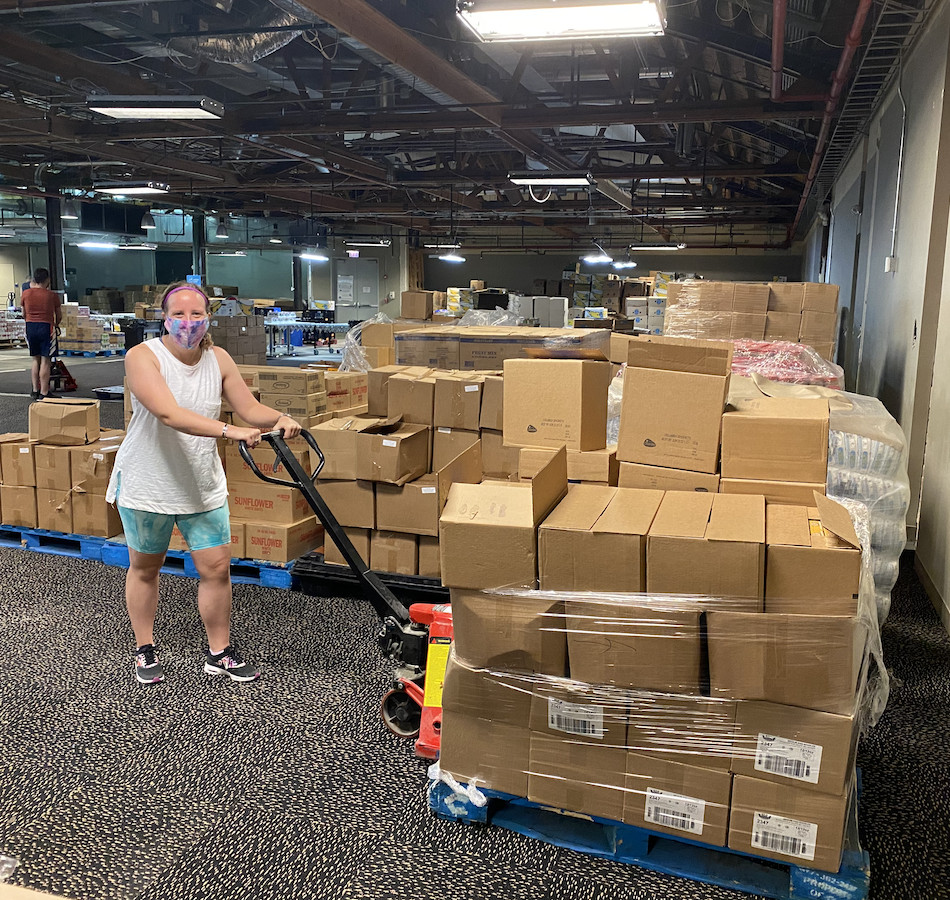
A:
x,y
214,594
141,593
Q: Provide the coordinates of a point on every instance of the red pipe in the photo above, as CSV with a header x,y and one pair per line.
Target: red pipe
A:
x,y
851,44
779,9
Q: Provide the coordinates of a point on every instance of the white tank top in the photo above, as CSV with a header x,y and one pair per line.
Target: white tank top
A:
x,y
167,471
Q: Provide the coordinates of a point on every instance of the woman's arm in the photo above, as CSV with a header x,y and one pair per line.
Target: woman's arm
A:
x,y
242,401
151,390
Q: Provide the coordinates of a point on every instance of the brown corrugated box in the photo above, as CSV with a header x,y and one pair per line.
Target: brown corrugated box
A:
x,y
64,421
16,460
587,466
708,544
238,533
91,466
298,406
493,403
377,387
790,745
820,297
352,503
11,437
393,452
417,304
488,531
813,560
556,402
359,538
448,443
783,326
809,826
281,543
18,505
54,510
345,390
751,297
486,694
92,515
285,380
415,507
748,326
412,397
635,475
692,730
776,439
682,800
430,563
267,503
793,493
391,551
379,356
786,297
458,400
595,540
491,754
818,326
498,461
522,632
437,348
579,713
264,457
51,467
336,439
486,349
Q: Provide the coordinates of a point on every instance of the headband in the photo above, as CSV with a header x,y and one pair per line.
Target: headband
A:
x,y
185,287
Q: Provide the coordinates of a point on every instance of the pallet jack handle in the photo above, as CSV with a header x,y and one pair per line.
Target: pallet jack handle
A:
x,y
383,600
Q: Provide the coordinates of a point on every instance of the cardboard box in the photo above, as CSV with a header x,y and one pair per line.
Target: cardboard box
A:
x,y
594,466
579,777
813,560
491,754
556,402
825,349
493,403
412,398
578,712
786,297
635,475
417,304
620,347
681,800
458,401
498,461
674,396
377,388
91,466
485,349
51,466
818,326
748,326
488,531
394,452
448,443
595,540
691,730
11,437
345,390
788,824
793,493
430,563
812,661
751,297
336,439
352,503
54,510
285,380
92,515
436,348
500,696
267,503
518,632
790,745
377,334
297,406
821,298
707,544
776,439
379,356
18,505
281,543
391,551
358,537
238,547
239,472
783,326
415,507
64,421
17,461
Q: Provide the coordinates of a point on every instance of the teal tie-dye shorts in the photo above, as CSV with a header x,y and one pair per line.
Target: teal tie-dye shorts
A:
x,y
149,532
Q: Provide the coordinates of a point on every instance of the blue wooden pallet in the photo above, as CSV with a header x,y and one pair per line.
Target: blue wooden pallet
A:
x,y
58,543
91,353
178,562
659,852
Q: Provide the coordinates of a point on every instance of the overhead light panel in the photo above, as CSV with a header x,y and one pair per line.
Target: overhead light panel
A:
x,y
452,258
599,257
132,188
238,253
448,246
159,107
70,210
545,178
542,20
314,256
382,242
96,245
148,220
221,232
7,233
657,247
625,264
275,237
138,246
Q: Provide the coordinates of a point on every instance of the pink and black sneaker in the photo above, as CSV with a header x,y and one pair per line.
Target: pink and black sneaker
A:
x,y
230,662
148,670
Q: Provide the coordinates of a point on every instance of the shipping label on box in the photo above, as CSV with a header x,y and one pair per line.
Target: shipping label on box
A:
x,y
583,713
267,503
281,543
64,421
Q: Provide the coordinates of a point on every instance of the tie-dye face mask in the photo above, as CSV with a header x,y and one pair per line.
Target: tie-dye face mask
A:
x,y
187,334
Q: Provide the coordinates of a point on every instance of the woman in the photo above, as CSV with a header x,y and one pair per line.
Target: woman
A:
x,y
168,472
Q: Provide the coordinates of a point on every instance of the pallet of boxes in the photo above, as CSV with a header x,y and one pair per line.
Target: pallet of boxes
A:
x,y
694,668
84,332
55,477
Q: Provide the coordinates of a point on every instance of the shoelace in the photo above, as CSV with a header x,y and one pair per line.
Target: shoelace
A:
x,y
147,656
230,658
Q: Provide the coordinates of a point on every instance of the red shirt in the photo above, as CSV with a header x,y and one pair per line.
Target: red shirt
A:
x,y
40,305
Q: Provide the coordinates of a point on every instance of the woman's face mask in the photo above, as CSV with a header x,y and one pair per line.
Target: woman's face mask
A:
x,y
187,333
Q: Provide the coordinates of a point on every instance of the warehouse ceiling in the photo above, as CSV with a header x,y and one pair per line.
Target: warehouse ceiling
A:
x,y
388,116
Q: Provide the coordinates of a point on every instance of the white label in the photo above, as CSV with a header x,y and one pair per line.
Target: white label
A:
x,y
471,388
387,443
428,490
24,449
98,456
576,718
791,759
675,811
445,431
786,836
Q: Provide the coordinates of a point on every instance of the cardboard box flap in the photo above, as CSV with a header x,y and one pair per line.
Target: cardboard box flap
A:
x,y
683,514
392,425
502,503
781,407
631,511
681,355
788,526
349,423
737,517
549,485
466,468
581,508
836,519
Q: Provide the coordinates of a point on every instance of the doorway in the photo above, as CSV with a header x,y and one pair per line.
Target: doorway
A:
x,y
355,289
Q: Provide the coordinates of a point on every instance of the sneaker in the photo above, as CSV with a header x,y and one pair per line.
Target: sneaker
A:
x,y
230,662
35,395
49,395
148,670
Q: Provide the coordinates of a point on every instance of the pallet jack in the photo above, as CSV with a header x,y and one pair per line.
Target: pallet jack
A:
x,y
60,379
417,639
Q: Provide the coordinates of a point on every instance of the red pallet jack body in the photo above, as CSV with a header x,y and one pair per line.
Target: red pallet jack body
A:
x,y
60,379
417,639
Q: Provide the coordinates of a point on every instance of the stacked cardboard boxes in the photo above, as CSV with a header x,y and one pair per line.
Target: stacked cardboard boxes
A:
x,y
83,332
12,330
244,337
298,393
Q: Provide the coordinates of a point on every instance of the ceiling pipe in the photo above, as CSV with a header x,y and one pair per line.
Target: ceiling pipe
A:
x,y
779,11
851,44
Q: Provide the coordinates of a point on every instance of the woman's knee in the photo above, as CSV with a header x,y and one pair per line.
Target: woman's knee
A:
x,y
213,565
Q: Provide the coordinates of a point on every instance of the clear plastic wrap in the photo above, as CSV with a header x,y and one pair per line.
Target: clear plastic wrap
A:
x,y
354,359
490,318
785,361
614,405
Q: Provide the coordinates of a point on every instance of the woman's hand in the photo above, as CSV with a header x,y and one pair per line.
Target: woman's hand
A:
x,y
290,427
250,436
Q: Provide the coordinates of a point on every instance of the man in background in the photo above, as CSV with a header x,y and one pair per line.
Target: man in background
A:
x,y
42,312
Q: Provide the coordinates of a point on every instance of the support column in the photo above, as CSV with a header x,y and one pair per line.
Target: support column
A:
x,y
300,286
198,266
54,244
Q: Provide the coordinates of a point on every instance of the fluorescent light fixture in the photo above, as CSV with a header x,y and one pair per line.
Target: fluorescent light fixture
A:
x,y
545,178
313,256
452,246
148,220
138,246
542,20
600,257
221,232
160,107
381,242
133,188
7,233
96,245
238,253
70,210
452,258
625,264
657,247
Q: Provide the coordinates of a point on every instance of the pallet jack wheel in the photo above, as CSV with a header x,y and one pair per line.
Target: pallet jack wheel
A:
x,y
401,714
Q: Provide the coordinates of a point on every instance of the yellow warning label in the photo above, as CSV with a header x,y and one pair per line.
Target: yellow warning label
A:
x,y
436,661
815,526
